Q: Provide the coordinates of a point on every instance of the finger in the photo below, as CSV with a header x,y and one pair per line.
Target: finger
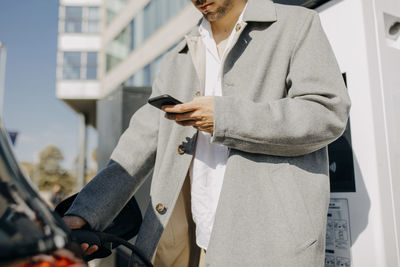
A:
x,y
167,106
182,116
74,222
92,249
205,129
64,253
180,108
186,123
84,246
43,257
170,116
188,116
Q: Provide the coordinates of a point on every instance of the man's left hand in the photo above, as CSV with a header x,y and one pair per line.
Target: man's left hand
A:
x,y
198,113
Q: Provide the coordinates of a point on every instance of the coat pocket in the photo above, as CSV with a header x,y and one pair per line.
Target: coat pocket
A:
x,y
293,205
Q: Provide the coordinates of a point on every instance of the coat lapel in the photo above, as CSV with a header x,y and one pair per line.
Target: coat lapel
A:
x,y
256,11
198,53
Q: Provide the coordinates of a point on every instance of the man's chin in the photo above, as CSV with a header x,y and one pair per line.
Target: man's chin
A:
x,y
211,17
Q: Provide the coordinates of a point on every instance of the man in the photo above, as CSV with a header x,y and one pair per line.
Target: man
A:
x,y
246,159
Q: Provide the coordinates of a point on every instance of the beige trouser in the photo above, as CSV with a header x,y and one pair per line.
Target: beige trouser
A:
x,y
177,246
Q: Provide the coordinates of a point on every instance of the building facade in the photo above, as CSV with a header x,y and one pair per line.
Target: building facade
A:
x,y
135,39
79,46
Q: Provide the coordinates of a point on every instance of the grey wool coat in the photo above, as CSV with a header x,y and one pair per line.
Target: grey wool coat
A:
x,y
284,101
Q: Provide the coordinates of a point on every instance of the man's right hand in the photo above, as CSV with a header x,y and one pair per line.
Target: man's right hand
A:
x,y
76,222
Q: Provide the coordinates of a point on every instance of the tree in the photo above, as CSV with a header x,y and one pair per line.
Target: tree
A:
x,y
93,170
51,173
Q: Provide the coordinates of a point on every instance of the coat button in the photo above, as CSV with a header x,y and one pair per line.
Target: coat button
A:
x,y
160,208
197,93
181,150
238,27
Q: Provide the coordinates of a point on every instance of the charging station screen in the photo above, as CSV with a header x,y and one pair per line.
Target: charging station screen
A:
x,y
341,165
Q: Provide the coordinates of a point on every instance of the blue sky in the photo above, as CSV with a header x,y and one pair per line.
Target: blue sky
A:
x,y
29,30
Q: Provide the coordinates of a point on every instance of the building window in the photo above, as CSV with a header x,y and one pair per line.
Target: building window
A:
x,y
120,47
73,19
113,7
91,66
146,22
72,66
82,19
79,66
93,20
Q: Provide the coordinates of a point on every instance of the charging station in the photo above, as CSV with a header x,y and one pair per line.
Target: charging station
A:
x,y
364,214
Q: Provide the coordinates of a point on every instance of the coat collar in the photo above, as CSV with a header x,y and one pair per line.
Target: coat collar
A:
x,y
256,11
259,11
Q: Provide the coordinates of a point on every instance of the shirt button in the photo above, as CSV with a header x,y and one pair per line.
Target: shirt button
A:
x,y
160,208
181,150
197,93
238,27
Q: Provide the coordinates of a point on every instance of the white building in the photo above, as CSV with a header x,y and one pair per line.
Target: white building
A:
x,y
79,44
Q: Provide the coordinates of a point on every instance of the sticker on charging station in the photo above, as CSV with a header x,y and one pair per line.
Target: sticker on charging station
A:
x,y
338,234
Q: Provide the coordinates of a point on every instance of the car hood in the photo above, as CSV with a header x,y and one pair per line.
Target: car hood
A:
x,y
27,225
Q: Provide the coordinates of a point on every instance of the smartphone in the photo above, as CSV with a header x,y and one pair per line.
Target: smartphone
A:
x,y
163,100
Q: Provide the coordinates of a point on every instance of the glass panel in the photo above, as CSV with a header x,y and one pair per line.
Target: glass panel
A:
x,y
159,13
73,27
93,27
173,8
73,19
72,66
113,7
155,68
139,29
153,16
130,81
91,73
91,66
73,12
147,20
93,13
91,59
119,48
139,79
132,35
93,24
164,10
147,76
184,3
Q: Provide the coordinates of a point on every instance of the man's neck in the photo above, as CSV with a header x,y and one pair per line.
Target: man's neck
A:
x,y
223,27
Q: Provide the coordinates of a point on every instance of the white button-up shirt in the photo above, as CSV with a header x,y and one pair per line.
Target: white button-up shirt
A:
x,y
208,167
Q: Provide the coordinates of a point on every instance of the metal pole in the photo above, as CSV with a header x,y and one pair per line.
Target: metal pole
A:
x,y
82,152
3,57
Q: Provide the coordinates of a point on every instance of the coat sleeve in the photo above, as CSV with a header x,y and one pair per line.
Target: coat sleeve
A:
x,y
131,162
313,114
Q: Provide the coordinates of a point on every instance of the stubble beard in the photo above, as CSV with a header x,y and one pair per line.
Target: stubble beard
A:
x,y
220,12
